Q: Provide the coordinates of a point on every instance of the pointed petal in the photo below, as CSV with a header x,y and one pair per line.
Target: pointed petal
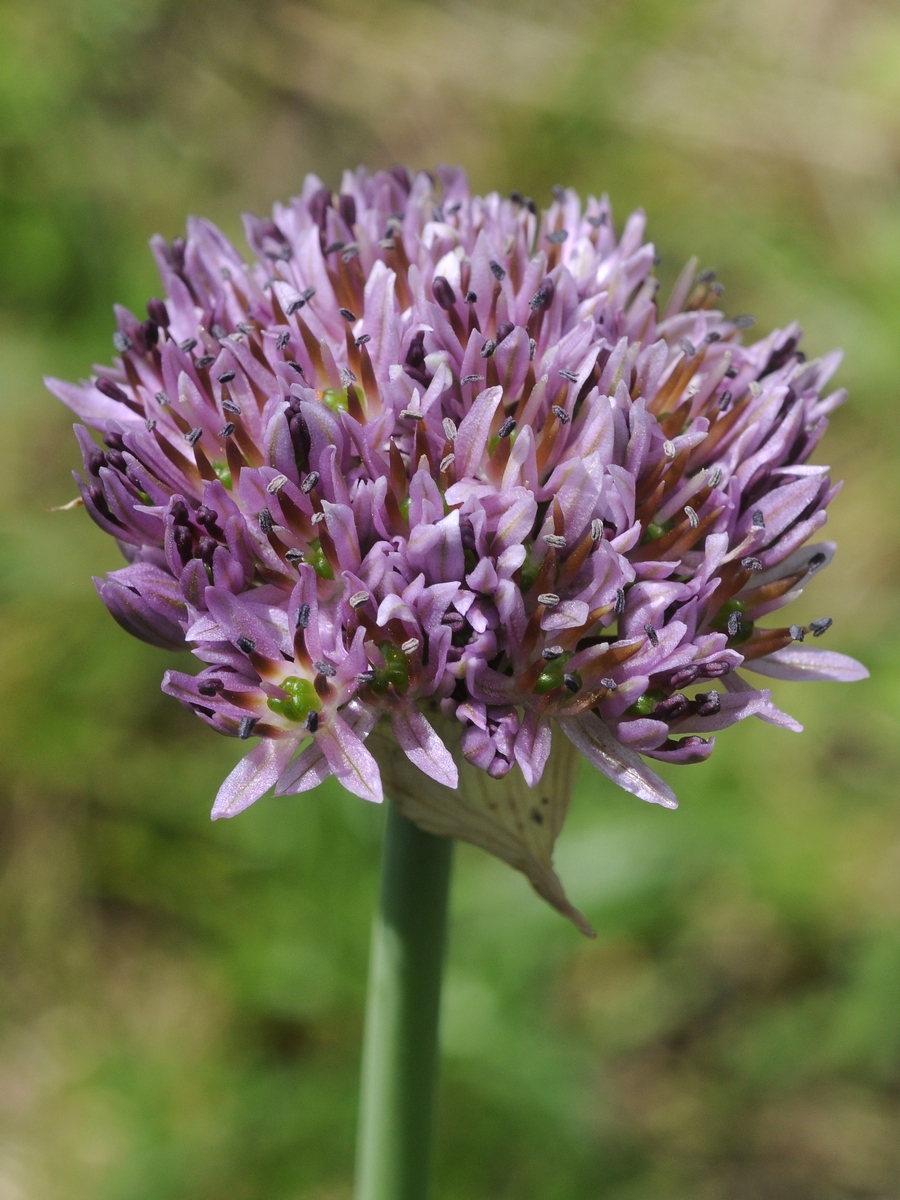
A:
x,y
422,746
799,663
253,776
350,761
623,766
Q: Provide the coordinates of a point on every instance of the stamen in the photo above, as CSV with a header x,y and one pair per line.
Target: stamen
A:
x,y
187,345
450,425
688,347
312,720
210,687
266,523
743,322
691,514
724,401
819,626
294,306
325,668
469,379
447,460
282,340
227,430
363,339
276,484
246,727
567,374
619,606
548,599
348,316
735,624
206,360
532,346
367,676
488,348
561,415
669,449
556,540
471,298
549,653
557,237
303,616
295,366
162,399
817,560
226,377
506,428
758,520
443,292
246,644
410,646
596,529
193,436
797,632
231,407
572,684
309,482
414,414
652,635
751,564
358,599
609,684
496,270
294,556
543,297
709,703
121,342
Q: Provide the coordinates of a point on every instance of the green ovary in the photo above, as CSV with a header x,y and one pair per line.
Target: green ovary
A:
x,y
223,473
395,670
644,705
301,699
552,675
317,560
336,400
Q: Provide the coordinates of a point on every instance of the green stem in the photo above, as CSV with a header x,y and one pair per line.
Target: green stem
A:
x,y
400,1048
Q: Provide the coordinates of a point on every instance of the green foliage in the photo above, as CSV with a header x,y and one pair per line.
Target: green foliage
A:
x,y
180,1007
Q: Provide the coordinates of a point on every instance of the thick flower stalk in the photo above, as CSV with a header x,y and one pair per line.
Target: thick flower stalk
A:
x,y
441,462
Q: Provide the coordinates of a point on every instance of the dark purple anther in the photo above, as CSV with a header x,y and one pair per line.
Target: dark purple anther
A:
x,y
157,312
444,294
347,210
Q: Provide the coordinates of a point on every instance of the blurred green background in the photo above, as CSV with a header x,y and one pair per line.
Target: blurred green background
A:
x,y
180,1003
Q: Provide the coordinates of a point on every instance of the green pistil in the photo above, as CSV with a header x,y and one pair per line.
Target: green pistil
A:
x,y
395,670
317,560
655,531
644,705
336,400
552,675
301,699
404,508
223,473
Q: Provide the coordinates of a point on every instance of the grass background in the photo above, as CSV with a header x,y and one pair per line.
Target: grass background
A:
x,y
180,1003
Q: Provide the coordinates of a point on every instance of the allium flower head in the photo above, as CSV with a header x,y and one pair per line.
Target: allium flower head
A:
x,y
443,463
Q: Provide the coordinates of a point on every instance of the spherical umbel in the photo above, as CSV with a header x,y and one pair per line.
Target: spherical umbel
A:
x,y
441,462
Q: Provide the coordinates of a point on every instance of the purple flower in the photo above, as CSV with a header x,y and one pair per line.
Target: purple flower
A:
x,y
440,462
